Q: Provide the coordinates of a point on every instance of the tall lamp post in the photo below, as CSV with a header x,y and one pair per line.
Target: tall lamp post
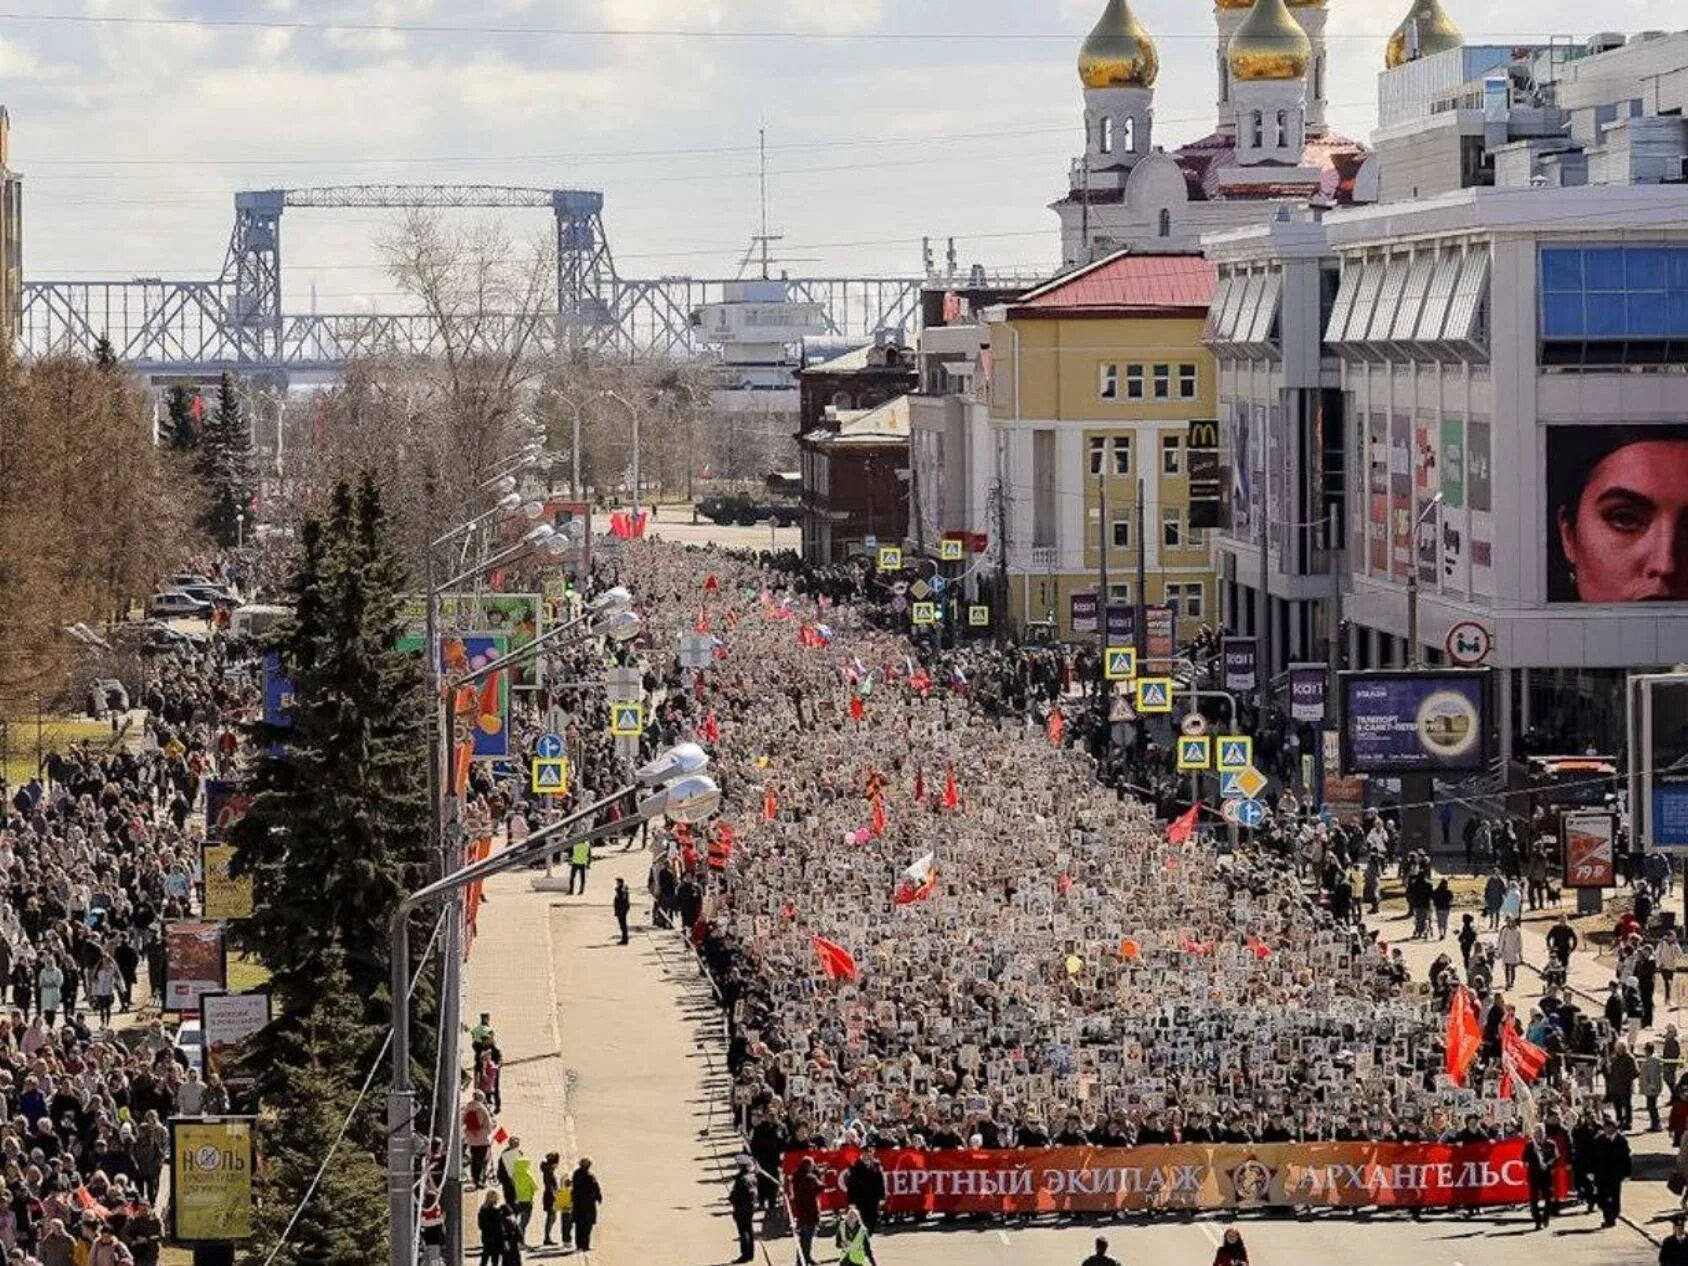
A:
x,y
633,412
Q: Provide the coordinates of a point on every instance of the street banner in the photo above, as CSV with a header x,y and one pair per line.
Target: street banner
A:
x,y
1589,849
226,896
1083,608
278,693
1345,794
225,805
226,1021
1122,620
1162,640
1415,721
1239,662
210,1179
194,963
484,726
518,618
1220,1176
1307,692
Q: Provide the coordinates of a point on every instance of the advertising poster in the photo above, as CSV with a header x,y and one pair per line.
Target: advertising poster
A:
x,y
226,897
1239,663
484,726
1161,641
1257,466
1415,722
1479,495
1307,692
1122,620
1589,848
1617,513
1233,458
517,617
1345,794
210,1179
1400,496
1187,1176
1083,612
1664,761
1377,494
278,693
1426,441
226,1021
195,963
225,804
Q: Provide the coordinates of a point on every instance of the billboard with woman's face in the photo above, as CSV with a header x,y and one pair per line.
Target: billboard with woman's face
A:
x,y
1617,507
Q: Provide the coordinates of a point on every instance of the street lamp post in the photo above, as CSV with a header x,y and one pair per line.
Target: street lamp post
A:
x,y
633,412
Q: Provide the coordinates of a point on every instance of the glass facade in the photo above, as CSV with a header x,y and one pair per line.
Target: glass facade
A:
x,y
1614,292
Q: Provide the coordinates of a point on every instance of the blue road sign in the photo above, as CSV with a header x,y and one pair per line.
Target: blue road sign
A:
x,y
1231,786
1251,813
937,583
549,747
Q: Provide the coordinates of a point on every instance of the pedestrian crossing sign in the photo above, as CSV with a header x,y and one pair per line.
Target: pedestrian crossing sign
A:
x,y
950,549
1195,751
1154,694
1122,663
627,720
1236,753
550,776
925,613
890,558
979,617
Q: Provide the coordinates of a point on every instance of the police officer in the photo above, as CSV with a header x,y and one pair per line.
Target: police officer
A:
x,y
580,858
742,1198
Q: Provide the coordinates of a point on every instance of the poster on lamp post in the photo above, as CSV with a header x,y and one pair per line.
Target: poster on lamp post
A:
x,y
195,963
210,1179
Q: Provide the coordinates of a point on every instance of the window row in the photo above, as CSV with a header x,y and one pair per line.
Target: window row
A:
x,y
1174,534
1142,382
1172,450
1433,297
1188,599
1614,292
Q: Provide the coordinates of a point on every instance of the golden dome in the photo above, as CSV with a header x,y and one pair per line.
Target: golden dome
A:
x,y
1119,52
1436,33
1270,44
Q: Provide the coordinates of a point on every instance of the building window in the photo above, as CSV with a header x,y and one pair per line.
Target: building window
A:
x,y
1186,382
1163,382
1108,387
1319,77
1172,528
1165,223
1257,128
1133,382
1188,601
1281,127
1120,592
1130,136
1122,454
1107,146
1098,446
1171,462
1122,533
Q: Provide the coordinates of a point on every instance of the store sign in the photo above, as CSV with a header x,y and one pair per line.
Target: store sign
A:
x,y
1239,663
1190,1176
1307,692
1415,722
1083,609
1589,844
1201,448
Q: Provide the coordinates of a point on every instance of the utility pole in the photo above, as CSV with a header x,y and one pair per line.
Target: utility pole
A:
x,y
1104,687
1140,621
1001,550
1263,609
1333,648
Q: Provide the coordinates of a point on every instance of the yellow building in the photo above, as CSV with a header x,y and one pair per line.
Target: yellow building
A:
x,y
1095,379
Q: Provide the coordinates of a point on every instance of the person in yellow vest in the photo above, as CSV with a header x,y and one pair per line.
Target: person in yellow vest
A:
x,y
854,1245
526,1185
580,858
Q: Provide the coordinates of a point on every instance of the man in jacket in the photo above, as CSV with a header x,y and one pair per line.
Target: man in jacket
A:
x,y
1673,1249
1540,1159
742,1198
623,904
490,1221
865,1185
1611,1168
588,1196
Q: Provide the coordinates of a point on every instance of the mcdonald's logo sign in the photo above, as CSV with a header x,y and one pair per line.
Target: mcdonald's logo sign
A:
x,y
1203,434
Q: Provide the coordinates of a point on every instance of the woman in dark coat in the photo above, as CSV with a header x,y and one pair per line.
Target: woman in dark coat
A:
x,y
587,1197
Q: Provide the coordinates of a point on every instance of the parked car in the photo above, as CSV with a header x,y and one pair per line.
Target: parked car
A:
x,y
175,604
183,580
216,595
190,1044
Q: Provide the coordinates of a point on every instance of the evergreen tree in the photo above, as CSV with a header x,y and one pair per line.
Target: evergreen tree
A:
x,y
339,829
182,434
226,466
323,1061
105,356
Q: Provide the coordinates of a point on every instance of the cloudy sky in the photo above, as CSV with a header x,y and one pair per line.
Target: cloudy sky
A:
x,y
133,121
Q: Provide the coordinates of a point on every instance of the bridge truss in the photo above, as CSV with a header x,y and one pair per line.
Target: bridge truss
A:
x,y
237,321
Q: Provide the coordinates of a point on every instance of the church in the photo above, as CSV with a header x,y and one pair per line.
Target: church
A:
x,y
1272,144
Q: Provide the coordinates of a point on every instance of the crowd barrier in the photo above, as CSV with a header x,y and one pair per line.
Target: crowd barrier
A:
x,y
1188,1176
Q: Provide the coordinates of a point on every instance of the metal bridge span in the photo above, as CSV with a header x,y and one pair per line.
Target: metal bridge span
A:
x,y
236,321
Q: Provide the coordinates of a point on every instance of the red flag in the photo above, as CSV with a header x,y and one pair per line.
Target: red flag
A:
x,y
1184,825
857,708
1057,727
1064,884
918,881
709,729
1262,951
1464,1037
770,805
196,408
879,815
952,796
1523,1056
919,785
702,623
836,961
711,585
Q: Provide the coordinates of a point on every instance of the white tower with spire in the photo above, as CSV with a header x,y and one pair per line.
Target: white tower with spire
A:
x,y
1268,60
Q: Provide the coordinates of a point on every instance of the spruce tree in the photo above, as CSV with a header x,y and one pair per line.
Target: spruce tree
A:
x,y
226,466
339,829
181,434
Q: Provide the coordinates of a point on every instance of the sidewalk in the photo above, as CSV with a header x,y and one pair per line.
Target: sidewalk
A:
x,y
612,1052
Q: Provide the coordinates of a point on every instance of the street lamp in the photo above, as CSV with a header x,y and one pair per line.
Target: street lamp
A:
x,y
677,791
240,529
633,411
1412,583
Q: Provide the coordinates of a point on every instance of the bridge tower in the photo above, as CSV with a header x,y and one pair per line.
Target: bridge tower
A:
x,y
586,281
253,268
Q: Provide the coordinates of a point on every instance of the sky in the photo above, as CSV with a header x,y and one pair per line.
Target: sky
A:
x,y
134,121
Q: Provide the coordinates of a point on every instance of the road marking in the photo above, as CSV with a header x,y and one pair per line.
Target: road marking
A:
x,y
1213,1236
1003,1236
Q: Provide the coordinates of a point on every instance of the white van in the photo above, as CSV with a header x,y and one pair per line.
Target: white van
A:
x,y
256,619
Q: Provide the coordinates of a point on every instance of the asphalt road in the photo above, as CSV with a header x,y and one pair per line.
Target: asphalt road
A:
x,y
681,529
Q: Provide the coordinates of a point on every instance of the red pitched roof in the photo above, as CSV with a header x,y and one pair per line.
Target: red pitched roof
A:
x,y
1127,282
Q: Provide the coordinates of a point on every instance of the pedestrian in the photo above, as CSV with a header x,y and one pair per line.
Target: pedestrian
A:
x,y
1652,1084
548,1194
510,1235
580,861
478,1126
1541,1158
588,1196
742,1199
1611,1167
1467,939
1442,900
488,1079
864,1184
806,1187
1667,955
527,1188
1512,904
1232,1251
1510,943
1673,1249
143,1232
507,1168
1494,889
490,1220
108,1250
1100,1256
623,903
1622,1072
1562,940
1678,1181
855,1241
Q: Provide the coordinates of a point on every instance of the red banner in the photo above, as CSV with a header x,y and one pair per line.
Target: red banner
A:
x,y
1189,1176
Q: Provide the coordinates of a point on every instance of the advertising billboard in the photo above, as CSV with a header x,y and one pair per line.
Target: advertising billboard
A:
x,y
1415,721
1589,843
227,896
1659,759
225,805
519,618
1307,692
210,1179
1239,659
194,963
226,1021
1617,513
